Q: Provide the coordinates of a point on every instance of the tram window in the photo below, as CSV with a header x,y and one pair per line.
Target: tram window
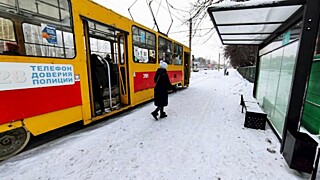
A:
x,y
49,10
9,2
144,46
100,47
103,40
47,27
7,36
165,50
102,31
38,45
44,7
115,52
121,48
177,54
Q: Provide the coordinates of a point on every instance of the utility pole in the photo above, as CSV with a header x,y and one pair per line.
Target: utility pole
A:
x,y
190,32
224,63
219,62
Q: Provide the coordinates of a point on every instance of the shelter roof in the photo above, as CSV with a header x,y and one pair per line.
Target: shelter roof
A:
x,y
252,22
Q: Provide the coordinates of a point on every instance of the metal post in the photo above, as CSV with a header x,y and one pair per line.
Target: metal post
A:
x,y
317,51
303,67
255,84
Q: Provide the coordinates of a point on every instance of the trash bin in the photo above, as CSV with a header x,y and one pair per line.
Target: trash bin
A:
x,y
300,151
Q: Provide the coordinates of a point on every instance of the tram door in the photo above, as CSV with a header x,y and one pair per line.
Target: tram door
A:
x,y
123,78
106,62
186,68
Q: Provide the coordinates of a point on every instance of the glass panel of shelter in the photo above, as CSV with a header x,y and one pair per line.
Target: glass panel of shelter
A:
x,y
266,15
277,63
284,85
249,37
267,28
294,34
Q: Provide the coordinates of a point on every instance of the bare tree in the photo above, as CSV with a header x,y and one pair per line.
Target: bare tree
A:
x,y
241,55
198,14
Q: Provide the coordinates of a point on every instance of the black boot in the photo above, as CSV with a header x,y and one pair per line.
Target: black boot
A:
x,y
155,114
163,115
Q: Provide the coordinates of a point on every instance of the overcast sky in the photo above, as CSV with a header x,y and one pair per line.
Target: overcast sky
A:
x,y
202,44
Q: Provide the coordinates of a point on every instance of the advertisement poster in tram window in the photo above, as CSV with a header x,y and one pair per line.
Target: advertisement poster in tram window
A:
x,y
49,33
29,75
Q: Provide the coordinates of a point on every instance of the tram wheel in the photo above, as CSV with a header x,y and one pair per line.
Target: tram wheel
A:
x,y
12,142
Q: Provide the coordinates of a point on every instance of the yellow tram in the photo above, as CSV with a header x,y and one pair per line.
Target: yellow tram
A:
x,y
53,51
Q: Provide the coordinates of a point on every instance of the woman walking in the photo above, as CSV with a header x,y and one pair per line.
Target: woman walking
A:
x,y
163,84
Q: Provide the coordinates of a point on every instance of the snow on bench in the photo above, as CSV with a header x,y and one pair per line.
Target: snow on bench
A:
x,y
255,117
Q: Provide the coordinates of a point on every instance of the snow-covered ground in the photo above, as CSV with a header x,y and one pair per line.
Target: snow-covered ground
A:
x,y
202,138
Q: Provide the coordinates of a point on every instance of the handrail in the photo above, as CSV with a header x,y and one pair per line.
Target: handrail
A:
x,y
109,82
312,103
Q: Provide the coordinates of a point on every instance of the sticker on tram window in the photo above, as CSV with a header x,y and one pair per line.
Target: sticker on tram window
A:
x,y
28,75
49,33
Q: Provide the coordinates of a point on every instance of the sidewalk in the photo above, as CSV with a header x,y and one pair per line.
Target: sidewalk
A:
x,y
203,137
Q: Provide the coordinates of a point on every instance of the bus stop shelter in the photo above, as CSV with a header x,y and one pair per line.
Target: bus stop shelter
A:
x,y
286,34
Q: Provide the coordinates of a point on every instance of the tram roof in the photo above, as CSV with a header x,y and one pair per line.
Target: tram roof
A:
x,y
253,22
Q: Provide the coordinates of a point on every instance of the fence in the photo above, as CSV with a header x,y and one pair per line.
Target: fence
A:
x,y
248,72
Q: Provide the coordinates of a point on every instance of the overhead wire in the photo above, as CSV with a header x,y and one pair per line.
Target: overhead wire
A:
x,y
157,12
170,17
200,29
198,22
166,9
158,7
154,18
183,17
130,8
180,10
